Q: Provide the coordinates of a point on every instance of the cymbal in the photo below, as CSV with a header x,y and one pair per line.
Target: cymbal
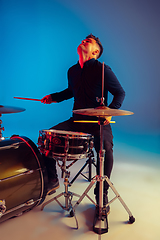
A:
x,y
102,111
9,109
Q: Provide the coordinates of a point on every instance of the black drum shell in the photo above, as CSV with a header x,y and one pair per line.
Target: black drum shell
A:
x,y
23,176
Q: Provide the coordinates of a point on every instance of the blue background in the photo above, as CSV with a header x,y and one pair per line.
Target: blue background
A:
x,y
38,44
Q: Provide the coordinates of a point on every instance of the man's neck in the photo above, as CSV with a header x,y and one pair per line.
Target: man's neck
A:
x,y
83,59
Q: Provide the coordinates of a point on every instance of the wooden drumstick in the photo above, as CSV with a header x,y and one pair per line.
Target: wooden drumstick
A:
x,y
32,99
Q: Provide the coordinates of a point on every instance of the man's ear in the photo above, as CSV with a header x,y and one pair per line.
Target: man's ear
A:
x,y
95,52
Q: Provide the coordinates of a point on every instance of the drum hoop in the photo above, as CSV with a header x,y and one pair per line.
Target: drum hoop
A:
x,y
67,134
70,157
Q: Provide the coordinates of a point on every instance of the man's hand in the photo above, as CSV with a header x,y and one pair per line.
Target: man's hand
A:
x,y
107,121
47,99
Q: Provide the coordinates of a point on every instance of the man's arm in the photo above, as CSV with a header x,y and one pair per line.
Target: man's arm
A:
x,y
114,87
58,96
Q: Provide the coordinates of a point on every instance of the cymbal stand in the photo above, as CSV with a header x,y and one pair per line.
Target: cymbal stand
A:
x,y
67,194
102,214
101,217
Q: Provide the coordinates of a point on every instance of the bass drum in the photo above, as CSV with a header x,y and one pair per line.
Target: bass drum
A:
x,y
23,177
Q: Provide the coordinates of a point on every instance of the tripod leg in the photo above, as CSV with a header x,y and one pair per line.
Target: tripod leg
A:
x,y
85,192
89,162
131,218
78,173
51,200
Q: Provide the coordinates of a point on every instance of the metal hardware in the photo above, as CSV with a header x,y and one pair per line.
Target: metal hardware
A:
x,y
2,207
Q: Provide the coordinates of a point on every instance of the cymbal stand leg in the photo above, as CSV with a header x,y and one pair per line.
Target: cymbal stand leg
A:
x,y
86,191
131,218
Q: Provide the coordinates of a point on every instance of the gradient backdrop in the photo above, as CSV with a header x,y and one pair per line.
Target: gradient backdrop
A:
x,y
38,43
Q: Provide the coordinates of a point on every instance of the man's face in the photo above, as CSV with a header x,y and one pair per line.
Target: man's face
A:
x,y
88,46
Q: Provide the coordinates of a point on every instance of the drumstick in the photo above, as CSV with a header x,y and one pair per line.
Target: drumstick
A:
x,y
84,121
32,99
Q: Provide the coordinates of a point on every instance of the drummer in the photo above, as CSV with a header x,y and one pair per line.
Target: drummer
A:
x,y
85,85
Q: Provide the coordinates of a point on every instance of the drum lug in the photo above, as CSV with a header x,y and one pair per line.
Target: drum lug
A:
x,y
2,207
86,147
91,144
30,202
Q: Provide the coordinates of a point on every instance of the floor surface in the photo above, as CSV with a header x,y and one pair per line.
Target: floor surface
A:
x,y
137,182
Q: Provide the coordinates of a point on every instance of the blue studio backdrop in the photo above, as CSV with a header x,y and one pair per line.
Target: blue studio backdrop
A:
x,y
38,44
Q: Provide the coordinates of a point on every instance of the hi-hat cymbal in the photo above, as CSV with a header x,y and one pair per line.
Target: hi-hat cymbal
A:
x,y
102,111
9,109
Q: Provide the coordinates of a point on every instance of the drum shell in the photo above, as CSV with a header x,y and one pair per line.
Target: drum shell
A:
x,y
23,177
61,143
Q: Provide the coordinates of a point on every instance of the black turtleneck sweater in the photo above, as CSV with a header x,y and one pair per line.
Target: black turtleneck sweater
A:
x,y
85,85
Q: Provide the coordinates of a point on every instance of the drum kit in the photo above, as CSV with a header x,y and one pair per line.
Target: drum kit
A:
x,y
23,177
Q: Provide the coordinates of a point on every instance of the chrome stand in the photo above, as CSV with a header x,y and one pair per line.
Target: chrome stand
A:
x,y
101,217
67,194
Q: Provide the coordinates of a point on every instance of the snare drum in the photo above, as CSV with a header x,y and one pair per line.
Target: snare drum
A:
x,y
23,178
74,145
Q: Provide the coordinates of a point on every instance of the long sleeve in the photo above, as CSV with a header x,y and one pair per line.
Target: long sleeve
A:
x,y
114,87
61,96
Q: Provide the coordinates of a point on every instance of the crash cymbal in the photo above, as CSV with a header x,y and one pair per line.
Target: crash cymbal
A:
x,y
102,111
9,109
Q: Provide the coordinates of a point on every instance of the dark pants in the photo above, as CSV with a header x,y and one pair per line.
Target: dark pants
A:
x,y
93,129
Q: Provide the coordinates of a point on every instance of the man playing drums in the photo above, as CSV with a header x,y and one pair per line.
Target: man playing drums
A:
x,y
85,86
